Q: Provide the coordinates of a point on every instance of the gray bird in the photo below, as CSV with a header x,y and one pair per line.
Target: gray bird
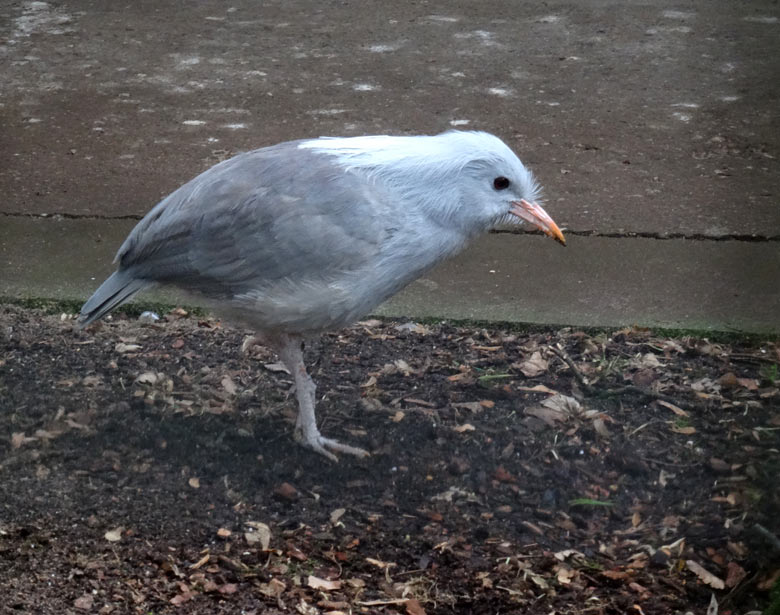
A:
x,y
305,236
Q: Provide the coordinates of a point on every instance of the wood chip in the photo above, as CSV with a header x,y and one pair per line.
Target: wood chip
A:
x,y
686,431
324,584
201,562
704,575
464,428
123,348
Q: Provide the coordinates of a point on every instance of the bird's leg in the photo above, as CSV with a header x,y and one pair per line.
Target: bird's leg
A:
x,y
291,354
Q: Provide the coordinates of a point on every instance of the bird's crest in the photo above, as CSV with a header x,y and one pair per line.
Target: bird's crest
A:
x,y
437,155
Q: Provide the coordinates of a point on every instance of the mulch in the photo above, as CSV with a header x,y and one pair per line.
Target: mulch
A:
x,y
149,467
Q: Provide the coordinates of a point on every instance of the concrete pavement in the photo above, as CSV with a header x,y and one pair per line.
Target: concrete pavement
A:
x,y
638,118
595,281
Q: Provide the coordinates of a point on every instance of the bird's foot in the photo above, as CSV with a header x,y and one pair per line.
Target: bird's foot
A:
x,y
318,443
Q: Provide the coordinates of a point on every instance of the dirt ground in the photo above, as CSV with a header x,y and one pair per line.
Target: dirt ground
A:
x,y
150,468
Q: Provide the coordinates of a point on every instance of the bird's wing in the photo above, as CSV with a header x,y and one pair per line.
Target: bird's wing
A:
x,y
274,214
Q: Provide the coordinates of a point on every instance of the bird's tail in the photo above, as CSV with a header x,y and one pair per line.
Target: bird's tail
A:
x,y
118,288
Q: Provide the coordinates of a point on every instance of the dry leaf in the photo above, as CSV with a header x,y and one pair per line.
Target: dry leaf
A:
x,y
229,385
601,428
565,574
337,514
91,381
686,431
403,367
370,323
274,588
649,360
147,378
261,533
676,409
228,588
413,607
704,575
735,574
473,406
318,583
180,599
459,376
749,383
533,366
548,415
122,348
114,535
398,416
413,327
18,438
643,378
369,383
563,403
705,385
85,602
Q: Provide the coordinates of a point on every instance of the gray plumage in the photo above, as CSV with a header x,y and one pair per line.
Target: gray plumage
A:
x,y
310,235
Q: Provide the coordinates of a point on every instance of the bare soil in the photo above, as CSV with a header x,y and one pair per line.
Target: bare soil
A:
x,y
150,468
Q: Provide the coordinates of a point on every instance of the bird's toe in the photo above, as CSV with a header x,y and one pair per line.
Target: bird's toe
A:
x,y
320,444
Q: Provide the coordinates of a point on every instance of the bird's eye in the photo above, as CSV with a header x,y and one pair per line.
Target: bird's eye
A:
x,y
501,183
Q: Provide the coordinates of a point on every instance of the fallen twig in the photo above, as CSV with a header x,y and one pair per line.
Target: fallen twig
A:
x,y
591,390
564,356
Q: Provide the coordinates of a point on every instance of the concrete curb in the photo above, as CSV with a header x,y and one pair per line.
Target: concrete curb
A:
x,y
595,281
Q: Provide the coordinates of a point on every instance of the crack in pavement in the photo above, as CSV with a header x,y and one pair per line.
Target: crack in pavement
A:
x,y
576,233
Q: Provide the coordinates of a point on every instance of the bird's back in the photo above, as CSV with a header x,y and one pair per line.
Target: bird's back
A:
x,y
282,238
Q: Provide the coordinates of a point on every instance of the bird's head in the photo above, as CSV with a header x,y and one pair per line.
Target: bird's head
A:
x,y
472,180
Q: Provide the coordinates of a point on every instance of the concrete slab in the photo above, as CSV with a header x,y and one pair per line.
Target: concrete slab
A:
x,y
643,118
723,285
637,117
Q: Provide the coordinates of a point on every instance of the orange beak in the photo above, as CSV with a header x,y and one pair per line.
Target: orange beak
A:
x,y
533,213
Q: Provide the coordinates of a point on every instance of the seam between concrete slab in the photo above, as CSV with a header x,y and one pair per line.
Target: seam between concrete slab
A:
x,y
576,233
